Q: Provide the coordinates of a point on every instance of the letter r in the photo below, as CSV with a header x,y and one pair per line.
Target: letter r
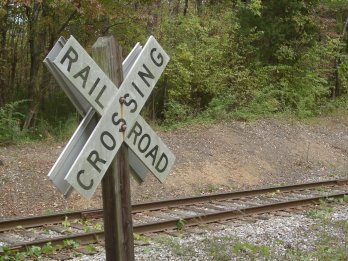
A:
x,y
71,59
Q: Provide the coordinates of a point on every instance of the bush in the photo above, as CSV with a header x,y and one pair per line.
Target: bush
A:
x,y
10,122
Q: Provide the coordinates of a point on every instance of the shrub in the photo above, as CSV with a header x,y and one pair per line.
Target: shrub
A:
x,y
10,121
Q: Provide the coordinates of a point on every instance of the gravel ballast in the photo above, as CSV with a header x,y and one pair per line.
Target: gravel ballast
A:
x,y
269,237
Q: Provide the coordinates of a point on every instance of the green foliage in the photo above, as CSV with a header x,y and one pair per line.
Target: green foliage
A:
x,y
195,74
91,249
175,247
281,24
34,251
251,249
323,212
10,120
345,198
231,59
181,224
253,60
176,112
98,226
143,238
70,244
66,222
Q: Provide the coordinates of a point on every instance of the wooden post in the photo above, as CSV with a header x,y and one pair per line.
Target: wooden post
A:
x,y
118,226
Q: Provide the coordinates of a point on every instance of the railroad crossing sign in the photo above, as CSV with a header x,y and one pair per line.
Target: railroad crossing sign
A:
x,y
87,125
119,110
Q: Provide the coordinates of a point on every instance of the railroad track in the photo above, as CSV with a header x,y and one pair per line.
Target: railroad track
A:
x,y
86,226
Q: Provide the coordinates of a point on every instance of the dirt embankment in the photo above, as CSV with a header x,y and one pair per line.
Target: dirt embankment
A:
x,y
223,157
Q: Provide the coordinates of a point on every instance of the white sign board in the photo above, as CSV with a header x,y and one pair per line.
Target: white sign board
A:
x,y
105,140
87,125
150,149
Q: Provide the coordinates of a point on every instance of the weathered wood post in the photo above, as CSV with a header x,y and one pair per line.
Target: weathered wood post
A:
x,y
118,227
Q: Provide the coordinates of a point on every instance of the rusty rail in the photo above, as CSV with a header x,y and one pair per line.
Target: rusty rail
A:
x,y
93,237
36,221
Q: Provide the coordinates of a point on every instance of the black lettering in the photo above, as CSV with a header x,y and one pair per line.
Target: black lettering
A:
x,y
147,144
96,159
146,74
98,97
159,57
163,156
71,59
112,139
136,133
153,154
131,101
137,89
80,182
83,74
117,122
94,85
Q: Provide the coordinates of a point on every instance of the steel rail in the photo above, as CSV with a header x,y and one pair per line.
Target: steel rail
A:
x,y
232,195
36,221
94,237
230,214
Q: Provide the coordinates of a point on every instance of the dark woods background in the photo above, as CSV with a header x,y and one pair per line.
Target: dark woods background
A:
x,y
229,59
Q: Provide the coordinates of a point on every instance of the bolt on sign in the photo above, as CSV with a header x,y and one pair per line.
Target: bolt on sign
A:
x,y
118,109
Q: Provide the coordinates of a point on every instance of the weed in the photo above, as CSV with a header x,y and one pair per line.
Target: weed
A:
x,y
223,248
98,226
34,251
138,237
46,231
10,119
91,249
251,250
48,249
146,250
66,222
321,189
175,246
274,193
87,225
76,254
322,212
70,244
217,249
181,224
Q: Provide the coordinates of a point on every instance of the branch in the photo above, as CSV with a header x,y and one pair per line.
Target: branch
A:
x,y
64,25
105,30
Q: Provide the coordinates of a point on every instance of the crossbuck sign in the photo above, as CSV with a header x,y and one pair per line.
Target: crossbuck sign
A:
x,y
119,110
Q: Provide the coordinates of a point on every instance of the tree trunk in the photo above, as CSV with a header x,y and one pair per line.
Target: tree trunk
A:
x,y
199,4
3,32
177,8
37,43
336,91
186,7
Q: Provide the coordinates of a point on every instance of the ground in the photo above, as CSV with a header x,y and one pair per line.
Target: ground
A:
x,y
227,156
